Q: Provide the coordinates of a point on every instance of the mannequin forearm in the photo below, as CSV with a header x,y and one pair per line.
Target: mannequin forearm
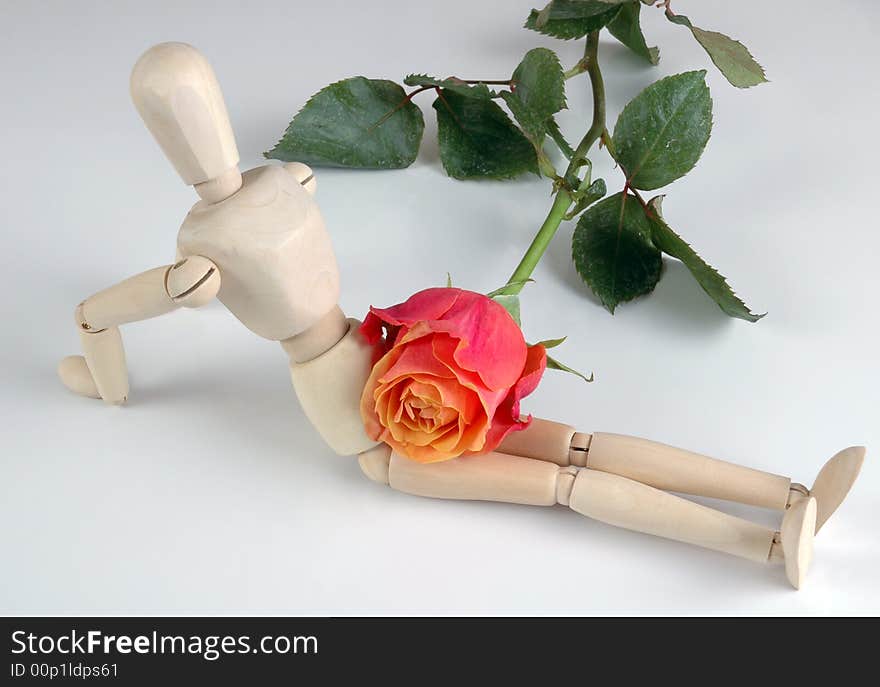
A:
x,y
140,297
191,282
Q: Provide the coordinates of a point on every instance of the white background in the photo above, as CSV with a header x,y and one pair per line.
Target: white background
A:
x,y
210,493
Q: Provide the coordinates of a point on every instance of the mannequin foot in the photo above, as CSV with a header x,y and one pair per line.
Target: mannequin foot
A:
x,y
835,480
833,483
75,375
796,534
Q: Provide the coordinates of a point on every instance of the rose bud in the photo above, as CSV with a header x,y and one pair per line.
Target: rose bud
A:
x,y
453,368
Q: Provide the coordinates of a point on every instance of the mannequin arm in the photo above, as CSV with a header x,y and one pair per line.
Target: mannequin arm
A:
x,y
192,282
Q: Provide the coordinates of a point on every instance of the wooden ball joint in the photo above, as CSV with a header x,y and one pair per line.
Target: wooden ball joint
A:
x,y
256,241
192,282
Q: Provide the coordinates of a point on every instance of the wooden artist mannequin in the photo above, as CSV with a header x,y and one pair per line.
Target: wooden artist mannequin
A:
x,y
257,242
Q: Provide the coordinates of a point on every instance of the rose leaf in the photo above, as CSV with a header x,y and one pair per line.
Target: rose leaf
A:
x,y
661,133
613,252
626,28
478,140
707,276
568,19
732,58
357,122
537,91
555,134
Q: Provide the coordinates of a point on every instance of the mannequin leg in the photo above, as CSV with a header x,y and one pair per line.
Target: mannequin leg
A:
x,y
673,469
625,503
599,495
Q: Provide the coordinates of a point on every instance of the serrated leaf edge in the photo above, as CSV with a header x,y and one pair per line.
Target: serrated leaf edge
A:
x,y
655,205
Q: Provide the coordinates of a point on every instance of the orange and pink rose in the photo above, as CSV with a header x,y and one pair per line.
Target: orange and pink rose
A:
x,y
453,368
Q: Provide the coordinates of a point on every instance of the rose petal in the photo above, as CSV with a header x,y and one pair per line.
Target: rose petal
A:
x,y
490,342
430,304
533,370
507,417
372,425
492,345
473,436
444,351
415,358
426,391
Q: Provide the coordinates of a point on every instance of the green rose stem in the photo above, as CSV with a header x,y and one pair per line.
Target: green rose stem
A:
x,y
579,68
564,194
